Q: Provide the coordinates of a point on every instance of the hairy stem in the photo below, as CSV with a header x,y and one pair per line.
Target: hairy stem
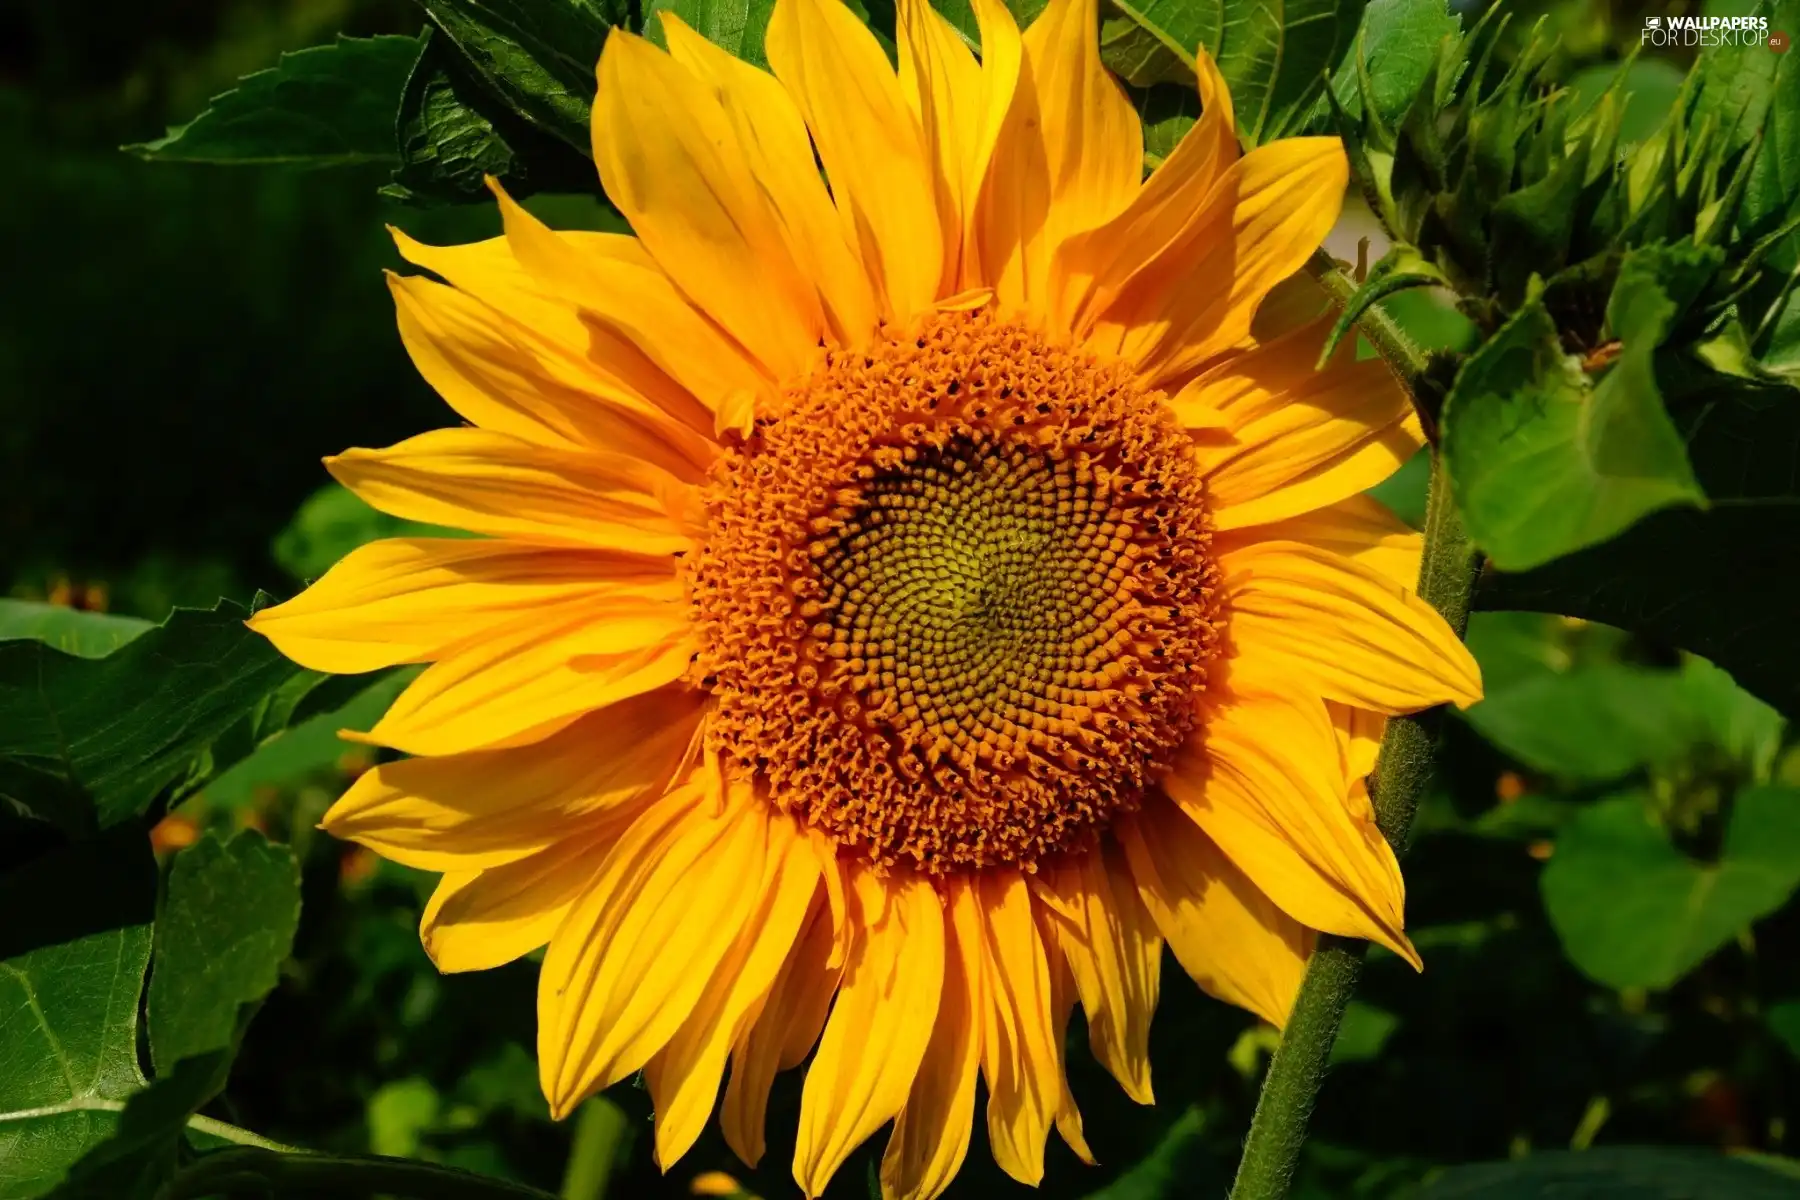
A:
x,y
1446,582
257,1172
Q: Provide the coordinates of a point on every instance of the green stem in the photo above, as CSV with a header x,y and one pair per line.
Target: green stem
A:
x,y
1446,582
602,1136
264,1173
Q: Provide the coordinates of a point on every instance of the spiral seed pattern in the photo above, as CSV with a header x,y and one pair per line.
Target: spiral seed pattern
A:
x,y
956,600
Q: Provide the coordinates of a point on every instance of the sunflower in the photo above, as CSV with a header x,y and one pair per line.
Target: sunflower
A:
x,y
903,603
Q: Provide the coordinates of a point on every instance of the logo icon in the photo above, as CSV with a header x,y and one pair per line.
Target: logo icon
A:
x,y
1779,42
1653,22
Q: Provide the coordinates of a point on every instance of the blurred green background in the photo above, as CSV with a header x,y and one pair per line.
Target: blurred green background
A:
x,y
1601,885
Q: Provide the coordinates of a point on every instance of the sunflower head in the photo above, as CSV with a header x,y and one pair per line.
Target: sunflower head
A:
x,y
904,604
973,624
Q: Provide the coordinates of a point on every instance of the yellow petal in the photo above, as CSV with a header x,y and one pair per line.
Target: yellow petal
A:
x,y
1268,787
632,334
1020,1055
1301,439
1115,956
490,374
784,1032
491,483
868,140
943,87
775,143
405,600
684,1075
1092,267
477,920
1343,631
670,160
1260,224
1062,1003
1231,938
1093,144
1362,530
631,959
526,681
1069,156
931,1135
467,812
879,1026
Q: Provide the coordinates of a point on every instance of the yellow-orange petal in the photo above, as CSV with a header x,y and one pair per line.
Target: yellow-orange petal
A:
x,y
525,681
1266,782
468,812
631,959
1301,439
1229,937
1341,630
684,1075
1020,1051
1093,266
491,374
405,600
869,142
634,335
879,1027
931,1135
784,1032
944,90
1362,530
774,139
670,160
477,920
1261,222
1115,958
1062,1003
495,484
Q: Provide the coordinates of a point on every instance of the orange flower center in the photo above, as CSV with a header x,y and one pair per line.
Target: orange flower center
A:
x,y
957,599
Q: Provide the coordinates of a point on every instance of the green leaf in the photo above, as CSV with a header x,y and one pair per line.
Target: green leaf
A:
x,y
325,106
1600,722
538,58
309,748
1167,1171
89,743
227,924
1633,911
331,523
1784,1021
1398,41
454,133
1614,1173
1718,582
1365,1030
734,25
73,950
1146,42
1274,56
83,634
1542,461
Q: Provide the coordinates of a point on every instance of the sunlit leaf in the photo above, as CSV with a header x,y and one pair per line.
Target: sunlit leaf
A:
x,y
454,133
83,634
324,106
538,58
88,743
1543,461
1634,911
734,25
73,949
